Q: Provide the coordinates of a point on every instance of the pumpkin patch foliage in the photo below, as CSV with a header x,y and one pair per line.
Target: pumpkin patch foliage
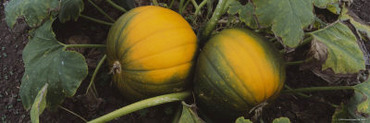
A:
x,y
228,59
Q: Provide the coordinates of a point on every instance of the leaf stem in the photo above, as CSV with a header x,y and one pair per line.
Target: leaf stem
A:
x,y
298,93
171,4
197,10
195,4
299,62
116,6
211,24
96,20
310,89
101,10
95,72
154,101
155,2
184,7
75,114
84,45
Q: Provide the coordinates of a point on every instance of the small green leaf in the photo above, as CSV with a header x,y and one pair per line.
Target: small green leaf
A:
x,y
70,9
287,18
324,3
242,120
245,13
188,115
47,61
357,109
281,120
39,104
360,25
337,46
34,11
334,8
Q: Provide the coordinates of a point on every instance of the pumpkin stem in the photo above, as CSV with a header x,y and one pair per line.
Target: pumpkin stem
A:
x,y
116,68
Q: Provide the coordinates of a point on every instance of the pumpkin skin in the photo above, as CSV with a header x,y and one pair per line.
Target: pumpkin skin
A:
x,y
151,51
236,70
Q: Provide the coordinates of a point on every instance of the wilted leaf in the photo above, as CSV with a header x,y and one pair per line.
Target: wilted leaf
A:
x,y
360,25
337,46
357,109
245,13
243,120
47,61
34,11
188,115
324,3
281,120
70,9
39,104
287,18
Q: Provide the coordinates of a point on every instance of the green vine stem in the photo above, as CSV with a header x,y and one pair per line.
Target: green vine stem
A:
x,y
154,101
299,62
75,114
84,45
96,20
195,4
299,93
184,7
199,7
310,89
101,10
211,24
116,6
181,6
171,4
155,2
94,74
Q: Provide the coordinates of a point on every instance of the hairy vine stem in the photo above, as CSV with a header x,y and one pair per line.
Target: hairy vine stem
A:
x,y
101,10
154,101
96,20
116,6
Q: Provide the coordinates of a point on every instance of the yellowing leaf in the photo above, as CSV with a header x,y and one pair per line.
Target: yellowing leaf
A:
x,y
245,13
39,104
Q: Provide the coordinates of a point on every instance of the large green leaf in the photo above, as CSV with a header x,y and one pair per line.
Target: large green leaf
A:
x,y
245,13
357,109
34,11
338,47
281,120
287,18
359,24
47,61
242,120
39,104
188,115
324,3
70,9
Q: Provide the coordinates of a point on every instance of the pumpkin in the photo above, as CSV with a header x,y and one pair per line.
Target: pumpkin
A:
x,y
151,52
237,70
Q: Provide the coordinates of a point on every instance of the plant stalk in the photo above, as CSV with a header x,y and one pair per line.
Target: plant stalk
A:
x,y
197,10
101,10
154,101
211,24
310,89
299,62
84,45
96,20
299,93
171,4
94,74
116,6
75,114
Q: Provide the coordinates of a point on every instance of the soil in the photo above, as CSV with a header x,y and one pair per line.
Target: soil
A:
x,y
316,108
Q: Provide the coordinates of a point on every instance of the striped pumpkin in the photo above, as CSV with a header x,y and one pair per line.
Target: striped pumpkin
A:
x,y
236,71
151,51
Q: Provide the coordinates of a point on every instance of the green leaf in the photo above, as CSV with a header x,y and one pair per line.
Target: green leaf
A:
x,y
242,120
359,24
337,46
188,115
47,61
34,11
357,109
324,3
39,104
281,120
245,13
70,9
334,8
127,4
287,18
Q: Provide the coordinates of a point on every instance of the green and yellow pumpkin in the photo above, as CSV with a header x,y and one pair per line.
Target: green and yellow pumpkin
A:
x,y
151,52
237,70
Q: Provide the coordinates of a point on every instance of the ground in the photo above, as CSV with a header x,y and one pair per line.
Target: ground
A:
x,y
12,41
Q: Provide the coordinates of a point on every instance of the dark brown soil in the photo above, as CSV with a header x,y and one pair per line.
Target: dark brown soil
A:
x,y
12,41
